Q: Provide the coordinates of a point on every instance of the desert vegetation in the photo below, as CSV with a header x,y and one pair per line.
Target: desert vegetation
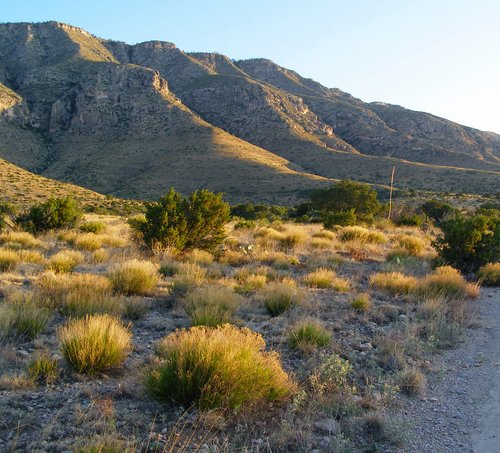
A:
x,y
281,320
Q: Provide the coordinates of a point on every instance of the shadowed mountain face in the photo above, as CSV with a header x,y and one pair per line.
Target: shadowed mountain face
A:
x,y
133,120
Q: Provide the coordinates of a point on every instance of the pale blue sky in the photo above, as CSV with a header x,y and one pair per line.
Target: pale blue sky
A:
x,y
440,56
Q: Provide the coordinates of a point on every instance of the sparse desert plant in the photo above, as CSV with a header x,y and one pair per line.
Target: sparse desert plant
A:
x,y
31,256
43,369
412,244
308,334
279,297
217,367
326,278
185,223
135,307
78,294
100,256
489,274
95,343
352,233
278,260
133,276
361,302
200,257
394,282
53,214
235,257
251,283
331,375
325,234
211,305
21,316
390,350
188,276
321,243
65,261
447,283
290,239
9,259
93,227
87,241
412,382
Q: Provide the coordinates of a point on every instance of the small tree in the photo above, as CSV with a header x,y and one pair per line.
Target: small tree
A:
x,y
468,242
344,197
437,210
53,214
184,223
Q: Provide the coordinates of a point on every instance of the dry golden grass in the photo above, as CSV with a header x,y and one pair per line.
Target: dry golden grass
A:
x,y
198,256
19,239
364,235
412,244
446,283
412,382
308,334
489,274
326,278
78,294
95,343
189,275
394,282
133,276
280,297
222,367
65,261
100,256
31,256
9,259
325,234
278,260
362,302
211,305
235,258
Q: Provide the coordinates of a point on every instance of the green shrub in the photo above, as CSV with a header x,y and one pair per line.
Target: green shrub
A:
x,y
345,196
195,222
332,375
469,242
43,369
361,302
437,210
217,367
95,343
342,218
409,219
308,335
279,297
210,305
53,214
93,227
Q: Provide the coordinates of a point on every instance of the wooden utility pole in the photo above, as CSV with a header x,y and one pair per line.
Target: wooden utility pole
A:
x,y
390,193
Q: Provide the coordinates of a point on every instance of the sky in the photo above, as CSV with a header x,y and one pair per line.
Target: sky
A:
x,y
438,56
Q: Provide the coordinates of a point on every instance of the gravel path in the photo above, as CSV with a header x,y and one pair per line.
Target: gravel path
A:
x,y
461,411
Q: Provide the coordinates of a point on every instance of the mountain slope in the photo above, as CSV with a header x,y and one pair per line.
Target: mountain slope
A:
x,y
133,120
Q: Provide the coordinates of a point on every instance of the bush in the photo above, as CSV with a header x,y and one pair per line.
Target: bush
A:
x,y
489,274
43,369
361,302
408,219
217,367
174,221
210,305
469,242
8,260
308,335
65,261
394,282
346,196
414,245
437,210
279,297
93,227
412,382
133,276
249,211
53,214
342,218
22,317
189,275
95,343
326,278
446,283
78,294
331,376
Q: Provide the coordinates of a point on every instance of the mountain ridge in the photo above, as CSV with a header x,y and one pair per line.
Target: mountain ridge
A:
x,y
133,119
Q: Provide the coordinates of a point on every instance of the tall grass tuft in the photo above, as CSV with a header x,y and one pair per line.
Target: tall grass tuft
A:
x,y
326,278
308,334
8,260
95,343
280,297
393,282
223,367
489,274
134,277
211,305
446,283
65,261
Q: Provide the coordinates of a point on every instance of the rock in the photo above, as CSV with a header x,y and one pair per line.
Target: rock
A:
x,y
328,425
365,347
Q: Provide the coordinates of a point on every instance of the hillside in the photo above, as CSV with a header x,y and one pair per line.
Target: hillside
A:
x,y
134,120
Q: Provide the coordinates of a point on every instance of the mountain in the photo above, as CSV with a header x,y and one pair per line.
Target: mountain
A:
x,y
131,120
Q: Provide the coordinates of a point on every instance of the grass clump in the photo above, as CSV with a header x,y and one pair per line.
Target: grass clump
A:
x,y
326,278
200,257
251,283
307,335
394,283
412,382
93,227
9,259
65,261
89,242
31,256
446,283
22,317
224,367
489,274
362,302
133,276
78,294
210,305
412,244
43,369
95,343
19,239
279,297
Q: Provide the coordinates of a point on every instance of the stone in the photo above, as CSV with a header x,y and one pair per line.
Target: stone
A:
x,y
327,425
